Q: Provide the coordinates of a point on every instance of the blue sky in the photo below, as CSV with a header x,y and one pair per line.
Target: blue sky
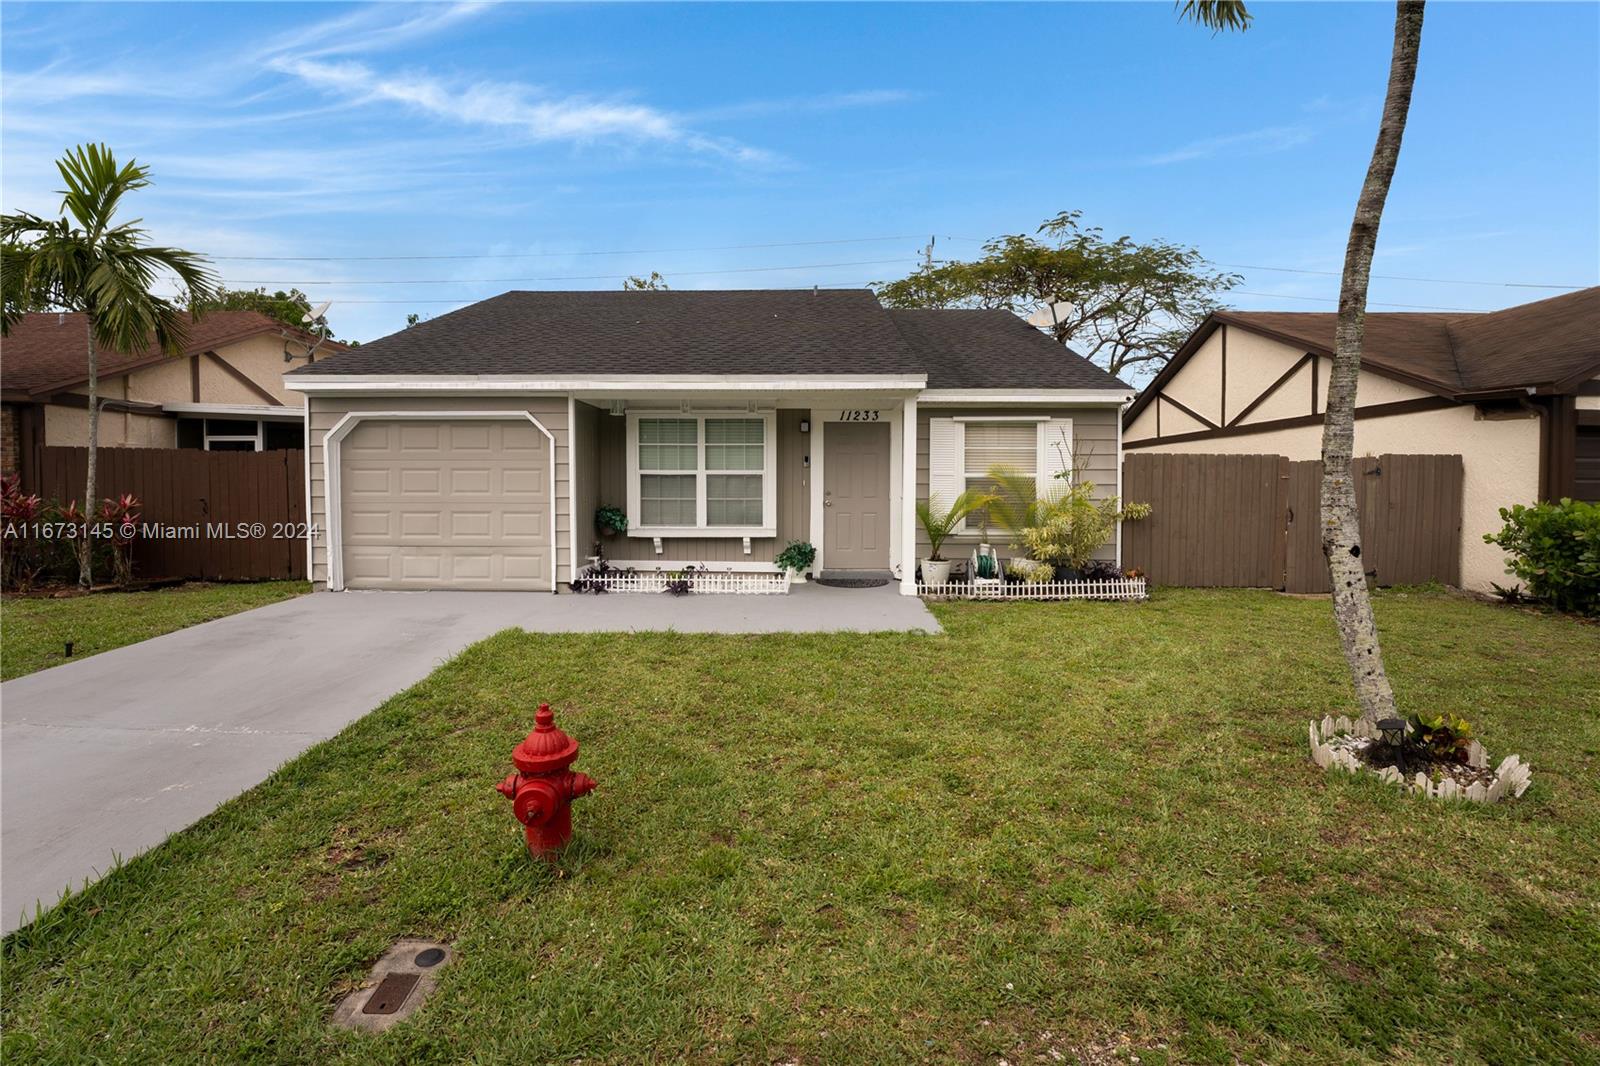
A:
x,y
492,132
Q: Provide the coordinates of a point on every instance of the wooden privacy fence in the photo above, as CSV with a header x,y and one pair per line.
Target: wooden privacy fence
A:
x,y
1252,520
215,516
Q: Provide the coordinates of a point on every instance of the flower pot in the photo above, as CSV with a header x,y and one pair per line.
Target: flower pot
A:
x,y
797,577
1068,573
608,531
935,571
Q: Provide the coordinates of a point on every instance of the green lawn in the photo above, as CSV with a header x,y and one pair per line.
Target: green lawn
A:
x,y
34,632
1059,828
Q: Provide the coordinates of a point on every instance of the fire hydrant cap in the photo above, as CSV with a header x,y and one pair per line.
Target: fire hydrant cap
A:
x,y
547,748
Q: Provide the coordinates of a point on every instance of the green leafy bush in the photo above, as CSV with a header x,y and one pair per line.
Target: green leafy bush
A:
x,y
797,555
1555,550
611,518
1442,737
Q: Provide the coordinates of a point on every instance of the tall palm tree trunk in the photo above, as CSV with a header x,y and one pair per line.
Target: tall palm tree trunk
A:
x,y
1341,527
85,547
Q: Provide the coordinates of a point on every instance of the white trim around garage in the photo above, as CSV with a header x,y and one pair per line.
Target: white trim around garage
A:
x,y
330,474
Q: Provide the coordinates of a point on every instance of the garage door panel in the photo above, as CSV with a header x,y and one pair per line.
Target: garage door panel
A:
x,y
446,505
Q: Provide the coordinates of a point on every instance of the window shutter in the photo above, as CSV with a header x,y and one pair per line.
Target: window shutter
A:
x,y
946,447
1055,456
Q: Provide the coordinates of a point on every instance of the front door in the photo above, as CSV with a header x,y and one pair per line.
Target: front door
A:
x,y
855,496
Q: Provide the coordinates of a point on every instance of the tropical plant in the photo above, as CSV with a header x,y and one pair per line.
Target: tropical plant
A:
x,y
1441,737
1555,549
939,522
1030,571
1120,303
797,555
1071,525
614,518
87,262
120,519
1341,526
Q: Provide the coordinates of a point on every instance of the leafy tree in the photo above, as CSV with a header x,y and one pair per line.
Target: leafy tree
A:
x,y
85,261
654,283
1341,527
290,307
1125,305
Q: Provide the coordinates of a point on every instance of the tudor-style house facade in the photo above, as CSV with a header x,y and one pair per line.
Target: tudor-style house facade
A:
x,y
473,450
224,392
1515,393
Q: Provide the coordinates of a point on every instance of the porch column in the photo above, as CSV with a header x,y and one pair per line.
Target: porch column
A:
x,y
908,498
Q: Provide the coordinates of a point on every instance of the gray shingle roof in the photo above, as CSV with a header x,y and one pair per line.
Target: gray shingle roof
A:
x,y
751,331
994,350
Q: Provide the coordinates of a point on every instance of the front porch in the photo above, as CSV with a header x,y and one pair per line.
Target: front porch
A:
x,y
723,480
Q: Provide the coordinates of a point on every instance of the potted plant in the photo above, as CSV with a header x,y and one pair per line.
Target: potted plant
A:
x,y
797,557
938,523
611,520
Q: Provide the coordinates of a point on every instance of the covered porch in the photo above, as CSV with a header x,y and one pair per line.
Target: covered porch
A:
x,y
724,476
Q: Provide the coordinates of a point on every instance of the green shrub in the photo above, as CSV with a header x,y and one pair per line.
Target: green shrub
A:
x,y
1555,550
797,555
1444,737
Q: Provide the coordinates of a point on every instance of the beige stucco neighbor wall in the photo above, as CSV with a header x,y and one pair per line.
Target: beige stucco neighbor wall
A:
x,y
1500,460
259,358
1094,431
1254,363
551,411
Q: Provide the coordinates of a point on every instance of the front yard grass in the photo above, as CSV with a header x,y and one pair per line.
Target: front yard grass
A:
x,y
34,631
1059,830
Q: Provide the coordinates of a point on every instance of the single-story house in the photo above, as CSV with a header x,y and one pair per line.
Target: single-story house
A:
x,y
473,450
224,392
1516,393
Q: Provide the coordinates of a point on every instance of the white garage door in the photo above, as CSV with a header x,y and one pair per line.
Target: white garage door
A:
x,y
438,504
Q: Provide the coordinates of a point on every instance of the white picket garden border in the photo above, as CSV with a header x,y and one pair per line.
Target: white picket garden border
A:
x,y
1122,588
1511,778
707,582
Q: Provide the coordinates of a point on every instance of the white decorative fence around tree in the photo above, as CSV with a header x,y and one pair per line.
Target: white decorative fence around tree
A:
x,y
1122,588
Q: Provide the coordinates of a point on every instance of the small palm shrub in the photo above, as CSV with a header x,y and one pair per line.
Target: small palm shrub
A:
x,y
939,522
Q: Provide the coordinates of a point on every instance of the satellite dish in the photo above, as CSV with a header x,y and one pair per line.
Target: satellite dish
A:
x,y
316,313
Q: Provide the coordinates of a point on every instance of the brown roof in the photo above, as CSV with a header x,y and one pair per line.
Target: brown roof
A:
x,y
748,331
46,351
1550,345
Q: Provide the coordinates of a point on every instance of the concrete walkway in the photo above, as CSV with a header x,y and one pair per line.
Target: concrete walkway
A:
x,y
109,755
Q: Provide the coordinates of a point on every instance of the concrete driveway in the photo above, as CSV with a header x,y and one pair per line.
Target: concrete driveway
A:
x,y
109,755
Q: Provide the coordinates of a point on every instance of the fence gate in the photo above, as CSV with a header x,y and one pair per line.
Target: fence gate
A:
x,y
232,514
1252,520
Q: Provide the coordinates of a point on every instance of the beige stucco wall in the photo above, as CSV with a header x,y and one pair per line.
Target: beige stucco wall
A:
x,y
169,381
1254,363
1500,461
1094,432
325,413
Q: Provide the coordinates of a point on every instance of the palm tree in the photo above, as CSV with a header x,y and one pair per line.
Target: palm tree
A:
x,y
85,262
1341,526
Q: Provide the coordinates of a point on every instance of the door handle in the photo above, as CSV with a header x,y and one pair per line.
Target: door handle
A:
x,y
827,503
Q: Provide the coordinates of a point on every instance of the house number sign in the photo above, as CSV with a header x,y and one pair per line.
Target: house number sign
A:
x,y
860,416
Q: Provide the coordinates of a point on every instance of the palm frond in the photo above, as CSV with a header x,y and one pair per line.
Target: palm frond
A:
x,y
1216,15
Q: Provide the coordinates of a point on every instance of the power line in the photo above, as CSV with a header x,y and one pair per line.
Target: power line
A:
x,y
1403,277
563,277
547,255
1370,303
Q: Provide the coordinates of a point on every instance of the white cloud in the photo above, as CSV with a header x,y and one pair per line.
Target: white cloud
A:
x,y
513,106
807,104
368,30
1253,142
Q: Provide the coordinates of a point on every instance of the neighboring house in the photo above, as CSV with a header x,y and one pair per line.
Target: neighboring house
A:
x,y
1516,393
472,450
225,392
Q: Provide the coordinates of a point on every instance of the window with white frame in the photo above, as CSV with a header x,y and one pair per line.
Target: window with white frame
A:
x,y
705,474
964,449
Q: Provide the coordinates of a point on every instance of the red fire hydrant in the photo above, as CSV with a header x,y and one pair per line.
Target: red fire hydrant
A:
x,y
541,794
